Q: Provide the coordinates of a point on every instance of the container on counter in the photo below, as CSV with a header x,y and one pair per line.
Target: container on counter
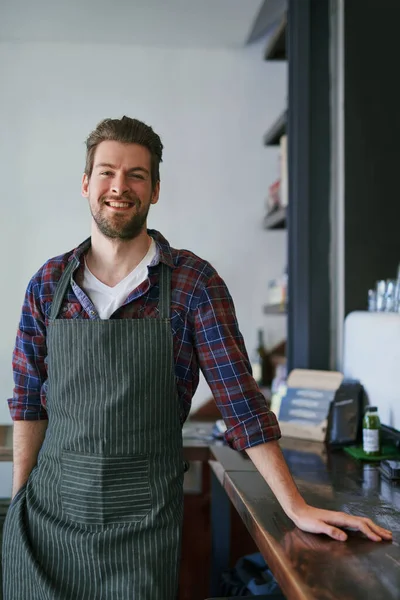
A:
x,y
371,431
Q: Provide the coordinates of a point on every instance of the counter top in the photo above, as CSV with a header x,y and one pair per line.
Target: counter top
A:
x,y
314,567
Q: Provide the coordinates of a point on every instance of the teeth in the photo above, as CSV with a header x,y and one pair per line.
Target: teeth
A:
x,y
119,204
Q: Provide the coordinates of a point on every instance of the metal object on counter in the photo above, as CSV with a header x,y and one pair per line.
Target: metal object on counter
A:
x,y
390,295
386,296
397,292
380,295
372,300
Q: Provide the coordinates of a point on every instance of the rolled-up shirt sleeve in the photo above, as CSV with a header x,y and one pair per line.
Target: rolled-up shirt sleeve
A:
x,y
29,361
225,365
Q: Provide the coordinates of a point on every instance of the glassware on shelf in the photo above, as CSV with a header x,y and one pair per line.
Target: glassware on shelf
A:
x,y
397,292
390,295
386,295
372,300
380,295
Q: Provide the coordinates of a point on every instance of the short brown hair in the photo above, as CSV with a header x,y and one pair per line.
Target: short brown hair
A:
x,y
126,131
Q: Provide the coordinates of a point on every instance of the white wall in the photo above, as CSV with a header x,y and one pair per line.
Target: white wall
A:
x,y
211,108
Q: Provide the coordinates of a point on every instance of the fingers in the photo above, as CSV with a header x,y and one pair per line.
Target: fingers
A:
x,y
365,525
383,533
329,522
331,531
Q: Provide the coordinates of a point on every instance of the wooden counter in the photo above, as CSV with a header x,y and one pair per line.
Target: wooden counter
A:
x,y
308,566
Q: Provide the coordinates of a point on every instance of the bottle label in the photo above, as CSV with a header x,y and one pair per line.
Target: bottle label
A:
x,y
371,440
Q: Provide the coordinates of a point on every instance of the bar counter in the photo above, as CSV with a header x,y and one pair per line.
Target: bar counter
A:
x,y
308,566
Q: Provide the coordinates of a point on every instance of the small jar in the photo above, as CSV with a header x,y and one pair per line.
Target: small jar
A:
x,y
371,432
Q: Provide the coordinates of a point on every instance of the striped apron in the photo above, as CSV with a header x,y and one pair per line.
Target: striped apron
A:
x,y
100,517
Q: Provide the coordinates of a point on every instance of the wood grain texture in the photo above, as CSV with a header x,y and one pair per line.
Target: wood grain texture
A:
x,y
315,567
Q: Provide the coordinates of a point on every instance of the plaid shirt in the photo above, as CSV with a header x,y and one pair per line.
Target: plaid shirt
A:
x,y
205,333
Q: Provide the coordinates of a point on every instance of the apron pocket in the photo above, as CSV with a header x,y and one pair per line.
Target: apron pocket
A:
x,y
18,495
105,490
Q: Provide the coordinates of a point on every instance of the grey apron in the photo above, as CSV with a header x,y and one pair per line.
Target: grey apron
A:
x,y
100,517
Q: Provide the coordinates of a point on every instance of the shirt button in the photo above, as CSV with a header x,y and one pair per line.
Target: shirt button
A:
x,y
92,313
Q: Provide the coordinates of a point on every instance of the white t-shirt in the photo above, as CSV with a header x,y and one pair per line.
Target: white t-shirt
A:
x,y
108,299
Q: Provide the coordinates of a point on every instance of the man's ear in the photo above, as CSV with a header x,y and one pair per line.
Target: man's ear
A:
x,y
85,186
156,193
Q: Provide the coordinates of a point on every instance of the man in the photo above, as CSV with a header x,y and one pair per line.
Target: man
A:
x,y
106,362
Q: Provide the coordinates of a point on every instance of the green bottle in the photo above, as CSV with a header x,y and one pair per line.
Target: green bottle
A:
x,y
371,431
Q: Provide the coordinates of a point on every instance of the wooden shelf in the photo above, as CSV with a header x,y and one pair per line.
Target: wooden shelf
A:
x,y
276,131
274,309
276,48
276,219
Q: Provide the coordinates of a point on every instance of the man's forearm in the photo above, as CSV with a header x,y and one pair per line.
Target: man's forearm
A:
x,y
28,438
270,462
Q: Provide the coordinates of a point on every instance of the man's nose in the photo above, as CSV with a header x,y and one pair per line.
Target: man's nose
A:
x,y
119,185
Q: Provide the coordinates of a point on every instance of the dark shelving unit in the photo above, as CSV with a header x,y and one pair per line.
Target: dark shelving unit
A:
x,y
276,48
276,131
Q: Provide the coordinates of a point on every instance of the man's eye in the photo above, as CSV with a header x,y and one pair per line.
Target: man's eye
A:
x,y
136,176
106,173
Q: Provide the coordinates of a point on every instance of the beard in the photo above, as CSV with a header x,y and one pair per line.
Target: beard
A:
x,y
119,226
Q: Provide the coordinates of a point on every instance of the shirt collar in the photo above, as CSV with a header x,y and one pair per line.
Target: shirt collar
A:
x,y
164,251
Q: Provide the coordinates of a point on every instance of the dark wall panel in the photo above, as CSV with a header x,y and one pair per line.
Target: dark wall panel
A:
x,y
372,146
309,185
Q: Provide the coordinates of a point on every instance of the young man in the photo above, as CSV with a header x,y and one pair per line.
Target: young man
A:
x,y
106,362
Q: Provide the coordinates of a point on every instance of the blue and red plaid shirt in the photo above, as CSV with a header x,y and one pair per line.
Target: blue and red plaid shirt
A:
x,y
205,333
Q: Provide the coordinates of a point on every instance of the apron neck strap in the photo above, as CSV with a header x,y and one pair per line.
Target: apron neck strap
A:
x,y
62,288
164,302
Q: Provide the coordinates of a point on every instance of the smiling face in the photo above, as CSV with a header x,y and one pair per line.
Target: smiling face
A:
x,y
120,190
